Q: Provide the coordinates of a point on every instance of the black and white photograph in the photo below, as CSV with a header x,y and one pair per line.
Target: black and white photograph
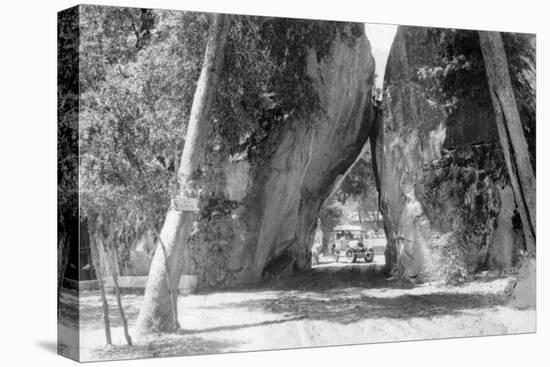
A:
x,y
240,183
254,183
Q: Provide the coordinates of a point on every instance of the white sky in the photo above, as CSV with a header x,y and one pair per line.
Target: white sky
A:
x,y
380,37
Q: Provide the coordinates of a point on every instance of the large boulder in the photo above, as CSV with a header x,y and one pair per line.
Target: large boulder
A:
x,y
267,209
444,190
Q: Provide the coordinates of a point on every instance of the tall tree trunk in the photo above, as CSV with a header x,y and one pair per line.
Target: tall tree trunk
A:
x,y
325,239
360,217
63,246
512,138
111,259
522,290
172,292
156,313
100,273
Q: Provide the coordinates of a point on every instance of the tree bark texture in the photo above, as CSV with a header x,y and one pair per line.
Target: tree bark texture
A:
x,y
111,256
511,134
100,273
63,247
156,314
516,154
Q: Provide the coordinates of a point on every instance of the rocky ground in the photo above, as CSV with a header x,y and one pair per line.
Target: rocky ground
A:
x,y
333,304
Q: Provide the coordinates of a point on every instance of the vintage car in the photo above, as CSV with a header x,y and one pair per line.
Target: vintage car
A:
x,y
351,242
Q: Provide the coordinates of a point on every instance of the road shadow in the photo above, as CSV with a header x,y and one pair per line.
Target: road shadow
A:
x,y
164,346
347,276
91,310
346,307
239,326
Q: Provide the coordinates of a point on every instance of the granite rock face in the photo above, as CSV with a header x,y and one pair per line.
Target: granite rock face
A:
x,y
271,207
444,188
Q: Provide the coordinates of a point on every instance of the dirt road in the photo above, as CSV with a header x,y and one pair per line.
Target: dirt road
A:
x,y
332,304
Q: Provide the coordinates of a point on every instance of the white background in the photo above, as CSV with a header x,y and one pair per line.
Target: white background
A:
x,y
28,182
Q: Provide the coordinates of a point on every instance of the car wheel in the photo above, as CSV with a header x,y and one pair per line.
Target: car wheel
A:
x,y
369,256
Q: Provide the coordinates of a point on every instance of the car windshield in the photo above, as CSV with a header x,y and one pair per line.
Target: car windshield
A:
x,y
356,235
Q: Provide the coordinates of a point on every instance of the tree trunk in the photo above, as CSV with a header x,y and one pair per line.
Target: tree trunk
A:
x,y
360,217
111,260
100,272
63,246
156,313
172,293
522,290
512,138
325,239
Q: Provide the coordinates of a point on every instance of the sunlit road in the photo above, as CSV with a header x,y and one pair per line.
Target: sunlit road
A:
x,y
331,304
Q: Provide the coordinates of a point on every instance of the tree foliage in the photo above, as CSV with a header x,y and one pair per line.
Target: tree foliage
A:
x,y
135,99
67,138
265,83
138,73
359,186
359,182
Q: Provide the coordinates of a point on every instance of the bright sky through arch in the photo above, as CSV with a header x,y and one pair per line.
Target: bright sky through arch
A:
x,y
380,37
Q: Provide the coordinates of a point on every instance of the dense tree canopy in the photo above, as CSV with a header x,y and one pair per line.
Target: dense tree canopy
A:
x,y
138,73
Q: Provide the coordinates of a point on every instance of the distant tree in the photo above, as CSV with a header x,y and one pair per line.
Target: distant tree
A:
x,y
330,216
359,182
359,186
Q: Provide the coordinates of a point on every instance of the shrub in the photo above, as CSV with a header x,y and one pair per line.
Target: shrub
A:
x,y
454,253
